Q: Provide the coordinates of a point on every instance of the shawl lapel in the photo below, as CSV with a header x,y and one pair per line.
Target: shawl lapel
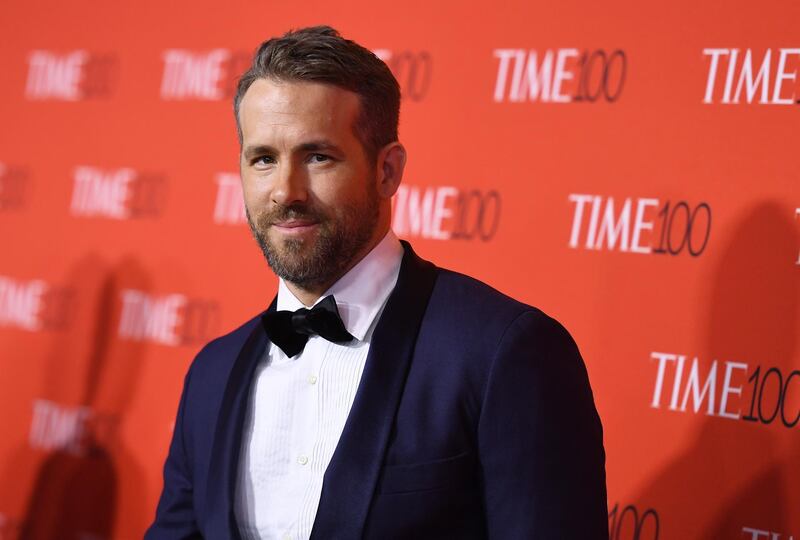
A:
x,y
224,462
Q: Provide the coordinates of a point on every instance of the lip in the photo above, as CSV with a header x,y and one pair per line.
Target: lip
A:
x,y
295,226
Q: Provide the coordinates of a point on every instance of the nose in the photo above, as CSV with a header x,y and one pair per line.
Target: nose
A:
x,y
290,185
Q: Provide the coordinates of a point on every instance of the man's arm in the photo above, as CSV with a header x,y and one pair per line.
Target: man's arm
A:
x,y
175,517
540,438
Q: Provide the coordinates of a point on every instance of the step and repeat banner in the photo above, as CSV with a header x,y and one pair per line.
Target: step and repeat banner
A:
x,y
631,169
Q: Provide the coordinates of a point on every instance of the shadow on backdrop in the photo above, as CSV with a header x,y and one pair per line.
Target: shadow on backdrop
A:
x,y
76,493
732,476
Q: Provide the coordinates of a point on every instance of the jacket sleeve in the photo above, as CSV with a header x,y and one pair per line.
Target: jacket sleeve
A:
x,y
540,439
175,515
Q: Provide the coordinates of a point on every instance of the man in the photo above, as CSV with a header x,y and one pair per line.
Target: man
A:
x,y
410,401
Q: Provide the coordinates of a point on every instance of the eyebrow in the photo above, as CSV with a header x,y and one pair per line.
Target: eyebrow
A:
x,y
310,146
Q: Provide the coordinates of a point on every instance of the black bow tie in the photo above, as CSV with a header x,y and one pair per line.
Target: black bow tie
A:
x,y
290,330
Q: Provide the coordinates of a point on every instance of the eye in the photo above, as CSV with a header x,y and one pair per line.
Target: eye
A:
x,y
262,161
318,158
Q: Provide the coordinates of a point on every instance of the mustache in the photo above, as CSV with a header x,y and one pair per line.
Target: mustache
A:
x,y
285,213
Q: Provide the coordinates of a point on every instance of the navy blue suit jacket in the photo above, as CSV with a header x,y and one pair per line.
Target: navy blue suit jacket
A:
x,y
473,419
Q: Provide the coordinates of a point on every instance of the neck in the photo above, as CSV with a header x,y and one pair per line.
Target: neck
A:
x,y
307,294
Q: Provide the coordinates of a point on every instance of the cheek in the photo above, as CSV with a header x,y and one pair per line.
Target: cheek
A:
x,y
254,189
343,202
350,187
249,197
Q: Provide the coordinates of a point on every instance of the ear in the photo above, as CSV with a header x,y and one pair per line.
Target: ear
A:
x,y
391,162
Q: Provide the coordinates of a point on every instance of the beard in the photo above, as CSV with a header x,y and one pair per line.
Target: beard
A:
x,y
322,258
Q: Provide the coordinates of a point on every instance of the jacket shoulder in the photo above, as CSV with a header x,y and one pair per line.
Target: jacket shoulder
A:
x,y
475,296
222,351
483,313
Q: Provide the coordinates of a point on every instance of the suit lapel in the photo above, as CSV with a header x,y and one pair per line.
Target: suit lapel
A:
x,y
224,462
352,474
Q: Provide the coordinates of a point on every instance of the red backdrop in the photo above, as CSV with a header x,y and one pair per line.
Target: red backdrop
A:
x,y
630,169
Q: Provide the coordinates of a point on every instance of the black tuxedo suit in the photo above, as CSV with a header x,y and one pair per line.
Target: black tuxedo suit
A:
x,y
473,419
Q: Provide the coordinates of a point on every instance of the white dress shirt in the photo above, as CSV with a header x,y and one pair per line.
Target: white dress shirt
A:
x,y
298,406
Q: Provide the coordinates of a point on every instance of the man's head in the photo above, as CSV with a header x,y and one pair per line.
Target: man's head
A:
x,y
320,159
320,54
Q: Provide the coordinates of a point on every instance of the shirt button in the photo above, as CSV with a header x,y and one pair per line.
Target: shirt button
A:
x,y
312,379
302,460
287,536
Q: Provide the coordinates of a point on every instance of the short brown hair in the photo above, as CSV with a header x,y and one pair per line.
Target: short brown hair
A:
x,y
320,54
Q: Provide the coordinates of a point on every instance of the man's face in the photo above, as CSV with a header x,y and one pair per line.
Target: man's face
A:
x,y
309,190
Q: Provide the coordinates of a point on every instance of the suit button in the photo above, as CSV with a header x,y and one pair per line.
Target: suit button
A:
x,y
302,460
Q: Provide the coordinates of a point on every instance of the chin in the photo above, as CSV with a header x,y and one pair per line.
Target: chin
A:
x,y
294,246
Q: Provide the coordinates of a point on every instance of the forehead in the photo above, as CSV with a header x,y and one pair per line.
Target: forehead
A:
x,y
297,108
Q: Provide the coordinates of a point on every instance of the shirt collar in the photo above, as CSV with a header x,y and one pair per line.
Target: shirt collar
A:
x,y
361,293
